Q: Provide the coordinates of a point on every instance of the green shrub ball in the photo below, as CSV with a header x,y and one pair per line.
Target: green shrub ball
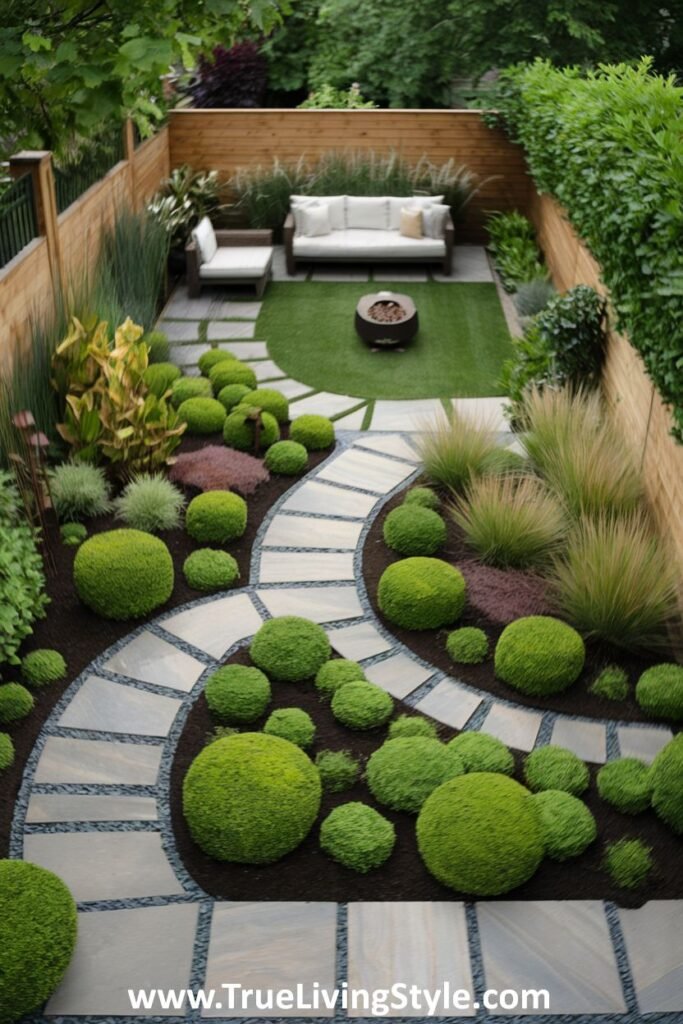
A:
x,y
412,725
6,751
216,517
467,646
554,767
211,358
414,530
626,785
271,401
73,534
628,862
291,724
251,798
404,771
160,377
480,752
362,705
44,666
357,836
37,936
666,779
611,684
16,703
237,694
339,770
158,347
336,673
123,574
567,826
479,834
189,387
239,429
232,395
313,432
202,415
539,655
286,458
290,649
421,593
231,371
423,496
209,569
659,691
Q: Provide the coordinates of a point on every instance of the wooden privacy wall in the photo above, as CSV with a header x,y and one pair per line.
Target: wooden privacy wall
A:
x,y
224,140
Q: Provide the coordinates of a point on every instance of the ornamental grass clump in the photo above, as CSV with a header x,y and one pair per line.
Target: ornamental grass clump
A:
x,y
455,451
339,770
79,491
626,784
150,503
404,771
357,836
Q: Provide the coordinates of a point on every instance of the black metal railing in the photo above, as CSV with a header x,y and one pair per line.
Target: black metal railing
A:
x,y
18,222
72,180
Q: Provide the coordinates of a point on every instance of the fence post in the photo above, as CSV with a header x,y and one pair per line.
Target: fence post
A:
x,y
38,163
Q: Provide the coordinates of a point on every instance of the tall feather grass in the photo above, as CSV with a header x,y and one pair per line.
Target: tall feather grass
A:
x,y
456,450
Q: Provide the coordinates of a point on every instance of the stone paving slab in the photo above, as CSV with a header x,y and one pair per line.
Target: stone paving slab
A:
x,y
643,742
358,642
325,499
178,330
187,355
483,410
215,626
393,444
516,727
324,403
399,675
302,567
181,306
654,943
354,420
356,468
224,330
152,660
232,310
68,760
449,703
340,273
55,807
292,388
320,604
105,706
309,532
587,739
266,369
470,265
411,415
245,349
399,273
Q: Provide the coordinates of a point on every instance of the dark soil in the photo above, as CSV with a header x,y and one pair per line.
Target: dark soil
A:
x,y
309,874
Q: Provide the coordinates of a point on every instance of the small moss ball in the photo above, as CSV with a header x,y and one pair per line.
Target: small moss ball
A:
x,y
291,724
38,924
659,691
666,779
289,648
231,371
480,752
202,415
554,767
240,429
211,358
479,834
339,770
216,517
16,703
160,377
271,401
414,530
467,646
251,798
361,705
286,458
73,534
209,569
336,673
611,684
423,496
412,725
232,395
626,785
421,593
158,346
404,771
567,826
237,694
123,574
628,862
189,387
313,432
6,751
357,836
539,655
42,667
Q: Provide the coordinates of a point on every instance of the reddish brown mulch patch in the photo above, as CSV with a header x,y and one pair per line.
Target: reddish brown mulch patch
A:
x,y
504,595
216,468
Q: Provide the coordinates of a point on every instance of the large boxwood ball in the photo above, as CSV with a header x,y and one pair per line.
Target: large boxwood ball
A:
x,y
211,357
312,431
237,694
231,371
413,529
539,655
271,401
567,826
189,387
216,517
123,574
666,778
290,648
421,593
251,798
38,924
239,429
404,771
357,836
479,834
202,415
659,691
286,457
362,705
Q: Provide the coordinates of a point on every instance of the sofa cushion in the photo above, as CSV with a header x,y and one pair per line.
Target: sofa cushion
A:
x,y
336,206
397,203
411,222
367,244
434,219
367,212
238,261
315,219
205,240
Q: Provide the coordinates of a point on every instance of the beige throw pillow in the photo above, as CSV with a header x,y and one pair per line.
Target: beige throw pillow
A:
x,y
411,223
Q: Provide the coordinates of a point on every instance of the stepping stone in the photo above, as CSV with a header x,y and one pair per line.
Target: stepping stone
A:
x,y
653,935
224,330
358,642
179,330
104,706
45,807
586,739
339,274
272,946
563,947
391,444
295,567
67,760
153,660
105,865
187,355
450,703
514,726
354,421
235,310
469,265
398,274
292,388
487,411
399,675
319,604
324,403
215,626
313,496
181,307
355,468
410,414
307,532
245,349
118,950
418,943
266,369
642,741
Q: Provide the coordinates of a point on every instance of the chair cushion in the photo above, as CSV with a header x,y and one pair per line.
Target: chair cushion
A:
x,y
238,261
434,219
336,206
205,240
315,219
397,203
367,244
411,222
367,212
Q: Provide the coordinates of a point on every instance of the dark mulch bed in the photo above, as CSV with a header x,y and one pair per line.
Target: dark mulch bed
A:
x,y
81,635
309,874
431,644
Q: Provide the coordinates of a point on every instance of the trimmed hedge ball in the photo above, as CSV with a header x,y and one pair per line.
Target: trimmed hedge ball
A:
x,y
362,705
659,691
16,702
190,387
628,862
313,432
44,666
539,655
271,401
421,593
412,725
239,429
567,826
414,530
237,694
232,395
357,836
479,834
286,458
123,574
290,648
423,496
73,534
467,646
202,415
6,751
231,371
339,770
552,767
251,798
216,517
480,752
158,346
336,673
209,569
404,771
666,778
160,377
293,724
626,785
211,358
38,925
611,683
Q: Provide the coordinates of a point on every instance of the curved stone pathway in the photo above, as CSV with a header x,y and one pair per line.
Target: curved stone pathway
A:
x,y
94,807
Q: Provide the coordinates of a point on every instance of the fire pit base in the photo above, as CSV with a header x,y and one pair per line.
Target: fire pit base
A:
x,y
386,319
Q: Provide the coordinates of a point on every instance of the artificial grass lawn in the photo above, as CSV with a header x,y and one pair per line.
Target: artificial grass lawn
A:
x,y
458,352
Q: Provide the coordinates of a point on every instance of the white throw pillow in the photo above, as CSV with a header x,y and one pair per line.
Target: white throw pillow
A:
x,y
315,219
397,203
335,203
369,212
205,240
434,219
